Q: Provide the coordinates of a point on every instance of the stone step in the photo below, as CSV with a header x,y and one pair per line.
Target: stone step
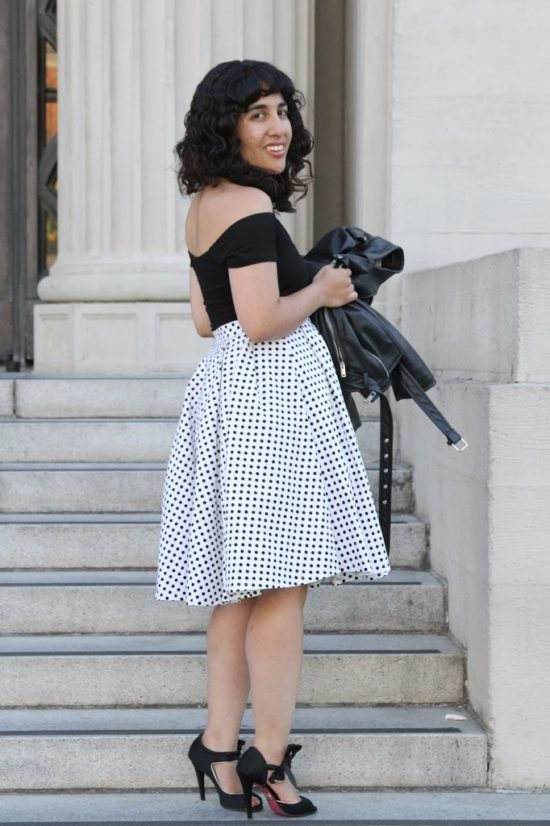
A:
x,y
112,440
168,670
86,440
127,397
123,487
122,602
144,749
107,540
103,396
484,807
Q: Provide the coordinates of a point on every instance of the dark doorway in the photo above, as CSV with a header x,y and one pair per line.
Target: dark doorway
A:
x,y
28,172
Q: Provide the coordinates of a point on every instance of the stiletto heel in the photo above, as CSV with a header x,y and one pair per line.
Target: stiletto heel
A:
x,y
247,785
200,781
252,768
203,760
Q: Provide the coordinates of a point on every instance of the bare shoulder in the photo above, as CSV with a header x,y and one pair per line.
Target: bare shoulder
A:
x,y
229,202
214,209
246,199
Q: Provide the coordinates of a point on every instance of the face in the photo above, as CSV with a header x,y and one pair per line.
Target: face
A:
x,y
265,133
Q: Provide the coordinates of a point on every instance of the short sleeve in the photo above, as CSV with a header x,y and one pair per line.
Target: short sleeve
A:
x,y
250,240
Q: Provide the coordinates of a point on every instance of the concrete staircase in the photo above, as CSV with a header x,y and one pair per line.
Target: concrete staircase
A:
x,y
102,688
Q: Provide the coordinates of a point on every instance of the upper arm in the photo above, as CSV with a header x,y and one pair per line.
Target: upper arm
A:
x,y
255,292
255,287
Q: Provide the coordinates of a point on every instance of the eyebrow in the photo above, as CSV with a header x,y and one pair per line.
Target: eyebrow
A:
x,y
264,106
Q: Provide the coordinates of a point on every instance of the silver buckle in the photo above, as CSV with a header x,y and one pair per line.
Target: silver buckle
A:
x,y
373,395
463,443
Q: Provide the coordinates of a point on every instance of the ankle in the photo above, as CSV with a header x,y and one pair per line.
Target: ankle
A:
x,y
218,740
272,751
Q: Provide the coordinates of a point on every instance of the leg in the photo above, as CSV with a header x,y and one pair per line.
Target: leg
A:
x,y
274,644
228,684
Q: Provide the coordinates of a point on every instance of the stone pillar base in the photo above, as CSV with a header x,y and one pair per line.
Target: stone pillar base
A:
x,y
133,337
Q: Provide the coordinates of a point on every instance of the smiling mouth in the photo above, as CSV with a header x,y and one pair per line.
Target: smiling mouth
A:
x,y
276,148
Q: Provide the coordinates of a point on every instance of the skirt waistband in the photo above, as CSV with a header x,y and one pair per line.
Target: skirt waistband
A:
x,y
232,331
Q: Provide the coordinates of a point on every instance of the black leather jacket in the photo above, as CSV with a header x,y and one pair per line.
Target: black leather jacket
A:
x,y
370,354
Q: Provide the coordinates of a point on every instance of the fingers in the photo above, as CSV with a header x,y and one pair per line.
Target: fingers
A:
x,y
340,286
352,293
347,273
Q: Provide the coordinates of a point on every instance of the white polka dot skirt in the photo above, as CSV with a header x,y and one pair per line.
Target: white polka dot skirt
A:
x,y
265,486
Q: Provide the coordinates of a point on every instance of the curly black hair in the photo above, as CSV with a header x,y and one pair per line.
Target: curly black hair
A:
x,y
210,150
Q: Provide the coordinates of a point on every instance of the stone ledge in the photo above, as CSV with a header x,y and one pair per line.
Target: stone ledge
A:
x,y
156,281
484,319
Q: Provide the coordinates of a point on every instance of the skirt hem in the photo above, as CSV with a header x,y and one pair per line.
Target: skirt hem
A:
x,y
335,579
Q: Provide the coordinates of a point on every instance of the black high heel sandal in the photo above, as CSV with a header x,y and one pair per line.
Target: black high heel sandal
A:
x,y
202,760
253,769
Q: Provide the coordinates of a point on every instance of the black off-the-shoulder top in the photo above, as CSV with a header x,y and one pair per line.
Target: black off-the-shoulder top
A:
x,y
250,240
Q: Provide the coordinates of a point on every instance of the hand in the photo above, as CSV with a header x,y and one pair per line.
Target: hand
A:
x,y
336,285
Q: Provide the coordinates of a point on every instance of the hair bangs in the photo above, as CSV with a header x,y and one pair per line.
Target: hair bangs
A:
x,y
243,82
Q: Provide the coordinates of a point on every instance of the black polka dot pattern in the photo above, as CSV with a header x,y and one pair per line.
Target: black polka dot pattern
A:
x,y
265,486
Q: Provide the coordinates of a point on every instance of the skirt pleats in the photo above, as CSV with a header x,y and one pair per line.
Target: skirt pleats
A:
x,y
265,485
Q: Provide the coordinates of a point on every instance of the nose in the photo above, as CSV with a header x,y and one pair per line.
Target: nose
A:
x,y
274,125
278,124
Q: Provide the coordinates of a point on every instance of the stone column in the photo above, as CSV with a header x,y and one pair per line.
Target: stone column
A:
x,y
116,300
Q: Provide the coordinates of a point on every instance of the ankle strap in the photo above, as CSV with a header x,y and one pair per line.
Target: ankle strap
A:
x,y
226,756
279,771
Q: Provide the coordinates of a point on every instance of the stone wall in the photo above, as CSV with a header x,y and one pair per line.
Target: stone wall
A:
x,y
482,325
467,124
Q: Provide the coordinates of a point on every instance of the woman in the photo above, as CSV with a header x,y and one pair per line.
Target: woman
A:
x,y
266,492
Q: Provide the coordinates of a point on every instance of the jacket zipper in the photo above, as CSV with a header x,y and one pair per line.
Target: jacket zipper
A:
x,y
381,362
339,356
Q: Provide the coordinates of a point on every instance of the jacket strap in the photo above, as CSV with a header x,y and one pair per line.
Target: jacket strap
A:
x,y
428,407
386,468
373,391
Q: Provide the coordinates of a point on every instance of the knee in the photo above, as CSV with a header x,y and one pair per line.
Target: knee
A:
x,y
284,598
233,615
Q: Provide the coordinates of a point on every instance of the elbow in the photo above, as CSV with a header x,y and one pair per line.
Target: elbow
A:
x,y
259,329
256,338
203,330
256,334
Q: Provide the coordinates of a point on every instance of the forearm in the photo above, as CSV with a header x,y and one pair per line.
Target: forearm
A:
x,y
202,325
288,313
199,314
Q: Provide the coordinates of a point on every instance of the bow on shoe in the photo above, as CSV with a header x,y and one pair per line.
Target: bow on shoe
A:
x,y
279,773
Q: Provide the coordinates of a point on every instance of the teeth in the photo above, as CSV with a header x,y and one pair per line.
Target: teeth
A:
x,y
276,147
